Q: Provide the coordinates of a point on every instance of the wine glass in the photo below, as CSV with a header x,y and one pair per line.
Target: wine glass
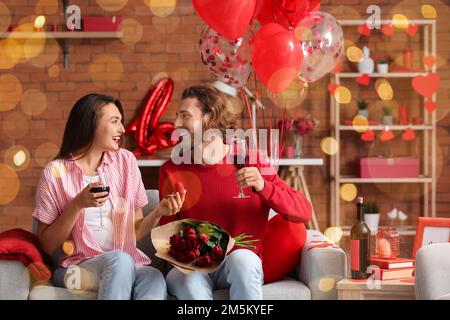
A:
x,y
98,189
239,157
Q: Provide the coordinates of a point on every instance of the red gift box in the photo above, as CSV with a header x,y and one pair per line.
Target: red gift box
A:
x,y
94,23
399,167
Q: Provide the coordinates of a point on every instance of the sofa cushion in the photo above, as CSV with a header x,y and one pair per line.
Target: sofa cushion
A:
x,y
44,292
14,280
285,289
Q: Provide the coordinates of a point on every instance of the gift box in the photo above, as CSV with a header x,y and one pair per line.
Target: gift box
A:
x,y
95,23
397,167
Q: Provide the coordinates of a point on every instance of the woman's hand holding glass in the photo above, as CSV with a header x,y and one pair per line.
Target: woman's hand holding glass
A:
x,y
87,199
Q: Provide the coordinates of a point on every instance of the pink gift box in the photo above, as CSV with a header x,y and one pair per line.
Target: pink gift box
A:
x,y
399,167
94,23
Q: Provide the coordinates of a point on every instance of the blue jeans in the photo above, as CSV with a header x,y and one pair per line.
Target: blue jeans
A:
x,y
115,276
241,273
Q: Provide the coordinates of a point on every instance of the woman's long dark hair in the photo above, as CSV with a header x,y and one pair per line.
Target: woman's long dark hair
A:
x,y
80,127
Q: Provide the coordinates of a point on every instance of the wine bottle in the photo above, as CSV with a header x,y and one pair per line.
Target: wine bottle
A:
x,y
360,244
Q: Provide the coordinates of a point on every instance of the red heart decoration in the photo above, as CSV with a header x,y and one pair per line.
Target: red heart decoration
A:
x,y
387,135
332,88
408,135
368,136
388,30
429,61
277,64
426,86
430,106
229,18
337,68
412,30
364,30
363,80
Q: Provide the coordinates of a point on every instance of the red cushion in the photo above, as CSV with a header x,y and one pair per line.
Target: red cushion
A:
x,y
282,244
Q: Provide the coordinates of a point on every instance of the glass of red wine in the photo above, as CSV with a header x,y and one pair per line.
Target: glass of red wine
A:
x,y
98,189
239,158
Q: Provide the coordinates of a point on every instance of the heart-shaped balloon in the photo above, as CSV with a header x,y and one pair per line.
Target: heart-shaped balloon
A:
x,y
276,56
363,80
227,60
426,85
230,18
322,45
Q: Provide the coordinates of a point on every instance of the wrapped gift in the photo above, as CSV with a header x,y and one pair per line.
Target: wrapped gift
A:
x,y
397,167
97,23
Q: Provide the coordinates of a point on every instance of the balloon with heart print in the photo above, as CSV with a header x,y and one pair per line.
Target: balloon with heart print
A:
x,y
227,60
230,18
322,45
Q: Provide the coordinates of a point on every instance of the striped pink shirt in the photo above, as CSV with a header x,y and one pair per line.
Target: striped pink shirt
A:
x,y
62,180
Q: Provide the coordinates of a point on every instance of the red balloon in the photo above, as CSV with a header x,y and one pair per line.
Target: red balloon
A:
x,y
277,57
287,13
230,18
147,122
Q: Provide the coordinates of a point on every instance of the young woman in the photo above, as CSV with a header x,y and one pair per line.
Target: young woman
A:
x,y
102,226
212,188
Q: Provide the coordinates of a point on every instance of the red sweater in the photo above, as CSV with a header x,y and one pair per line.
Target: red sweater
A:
x,y
210,191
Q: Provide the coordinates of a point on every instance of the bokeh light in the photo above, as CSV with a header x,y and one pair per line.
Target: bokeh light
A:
x,y
334,234
47,7
112,5
17,157
400,21
329,146
354,54
235,105
48,55
132,31
53,71
343,95
161,8
68,247
360,123
428,11
167,24
106,70
58,169
384,89
191,183
10,92
45,153
348,192
33,102
8,58
9,184
326,284
5,17
15,125
39,23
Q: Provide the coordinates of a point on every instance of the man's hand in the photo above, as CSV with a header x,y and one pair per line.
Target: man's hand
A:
x,y
250,177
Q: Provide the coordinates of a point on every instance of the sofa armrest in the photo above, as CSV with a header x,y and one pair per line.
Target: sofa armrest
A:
x,y
322,265
14,280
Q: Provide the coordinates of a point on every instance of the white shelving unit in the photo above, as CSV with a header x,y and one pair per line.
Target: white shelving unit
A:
x,y
428,177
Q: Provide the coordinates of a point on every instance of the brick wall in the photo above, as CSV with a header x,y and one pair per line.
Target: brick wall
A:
x,y
169,46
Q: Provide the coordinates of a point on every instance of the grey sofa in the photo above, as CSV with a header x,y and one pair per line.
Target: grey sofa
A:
x,y
314,278
432,274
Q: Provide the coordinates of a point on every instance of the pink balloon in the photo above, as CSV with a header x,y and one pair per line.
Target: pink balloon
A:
x,y
230,18
277,57
227,60
322,45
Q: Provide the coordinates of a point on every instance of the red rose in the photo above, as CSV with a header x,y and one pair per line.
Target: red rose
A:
x,y
175,239
189,232
203,238
217,253
203,261
180,246
193,254
192,243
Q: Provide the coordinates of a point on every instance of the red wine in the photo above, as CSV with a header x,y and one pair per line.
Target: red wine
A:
x,y
240,161
360,244
99,189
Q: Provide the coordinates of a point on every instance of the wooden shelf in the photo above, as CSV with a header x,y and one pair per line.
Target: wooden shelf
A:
x,y
382,127
350,179
419,22
63,35
381,75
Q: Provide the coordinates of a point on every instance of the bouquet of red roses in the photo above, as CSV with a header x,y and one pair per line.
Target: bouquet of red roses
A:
x,y
195,245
